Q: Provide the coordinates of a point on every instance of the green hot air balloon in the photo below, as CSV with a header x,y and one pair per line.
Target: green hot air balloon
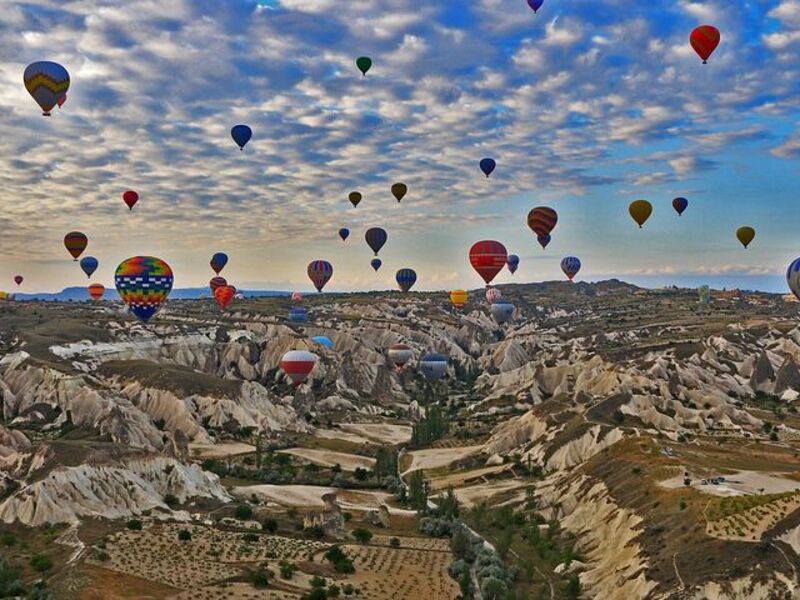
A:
x,y
364,63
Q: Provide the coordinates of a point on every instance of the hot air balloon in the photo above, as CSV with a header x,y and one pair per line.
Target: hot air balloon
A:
x,y
793,277
320,272
344,233
47,82
542,220
298,364
218,262
543,240
704,40
399,190
487,165
746,235
493,295
364,63
130,198
96,291
512,262
376,263
570,265
355,198
297,297
535,4
680,205
325,341
143,283
75,242
433,366
89,265
488,258
376,238
400,354
216,283
640,210
298,315
223,295
241,134
459,298
62,101
502,311
7,296
406,279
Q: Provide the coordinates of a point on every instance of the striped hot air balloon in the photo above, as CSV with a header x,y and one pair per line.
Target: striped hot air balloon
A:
x,y
459,298
47,82
223,295
493,295
143,283
400,354
406,278
570,265
298,364
217,282
488,258
542,220
75,242
298,315
96,291
376,237
433,366
320,273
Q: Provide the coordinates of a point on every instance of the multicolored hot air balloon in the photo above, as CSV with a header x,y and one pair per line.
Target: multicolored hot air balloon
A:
x,y
298,364
512,262
297,297
355,198
487,165
376,263
47,82
493,295
364,63
223,295
704,40
320,272
325,341
298,315
459,298
746,235
376,237
217,282
640,211
570,265
535,4
143,283
543,240
218,262
7,296
542,220
405,279
488,258
241,134
793,277
399,190
680,205
75,242
62,101
96,291
502,311
433,366
130,198
89,265
344,233
400,354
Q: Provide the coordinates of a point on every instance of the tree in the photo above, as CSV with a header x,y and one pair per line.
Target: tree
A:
x,y
41,562
184,535
134,525
171,500
573,588
243,512
386,462
260,577
360,474
333,591
287,569
417,492
394,542
270,525
362,535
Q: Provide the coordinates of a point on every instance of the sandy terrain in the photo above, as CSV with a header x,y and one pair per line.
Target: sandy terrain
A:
x,y
221,450
740,484
750,525
310,496
382,433
470,496
462,478
434,458
326,458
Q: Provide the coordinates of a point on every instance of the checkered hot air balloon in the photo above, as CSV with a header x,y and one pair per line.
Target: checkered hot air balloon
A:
x,y
143,283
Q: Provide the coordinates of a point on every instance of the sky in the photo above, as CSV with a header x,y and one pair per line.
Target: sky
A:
x,y
585,106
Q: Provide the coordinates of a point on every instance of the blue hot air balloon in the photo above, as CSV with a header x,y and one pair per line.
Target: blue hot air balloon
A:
x,y
570,265
47,82
89,265
406,279
325,341
298,315
502,311
512,262
544,240
241,134
344,233
433,366
535,4
218,262
487,166
376,263
376,237
680,205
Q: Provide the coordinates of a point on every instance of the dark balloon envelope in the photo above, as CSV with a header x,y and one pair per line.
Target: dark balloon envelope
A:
x,y
680,205
376,238
320,272
364,64
75,242
399,191
487,165
376,263
218,262
89,265
241,134
130,198
406,278
704,40
344,233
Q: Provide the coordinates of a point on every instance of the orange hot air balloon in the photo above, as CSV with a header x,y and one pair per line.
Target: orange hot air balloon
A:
x,y
96,291
223,295
459,298
640,210
746,235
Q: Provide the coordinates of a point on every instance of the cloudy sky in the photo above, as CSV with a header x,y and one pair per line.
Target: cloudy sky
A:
x,y
586,106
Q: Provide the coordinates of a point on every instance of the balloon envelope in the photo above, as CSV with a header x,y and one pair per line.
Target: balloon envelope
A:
x,y
399,190
344,233
570,265
18,279
376,263
7,296
493,295
355,198
218,262
223,295
535,4
47,82
325,341
640,211
298,315
297,297
542,220
89,265
746,235
793,277
298,364
216,283
320,272
704,40
400,354
459,298
130,198
680,205
364,63
376,237
241,134
543,240
75,242
512,262
488,258
487,165
406,278
433,366
502,311
143,283
96,291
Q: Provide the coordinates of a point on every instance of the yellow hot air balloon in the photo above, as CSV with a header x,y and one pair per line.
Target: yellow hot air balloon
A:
x,y
746,235
640,211
459,298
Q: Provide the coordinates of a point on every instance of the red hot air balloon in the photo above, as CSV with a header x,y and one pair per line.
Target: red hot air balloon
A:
x,y
542,220
705,40
18,279
130,198
297,297
488,258
223,295
216,283
75,242
298,364
96,291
